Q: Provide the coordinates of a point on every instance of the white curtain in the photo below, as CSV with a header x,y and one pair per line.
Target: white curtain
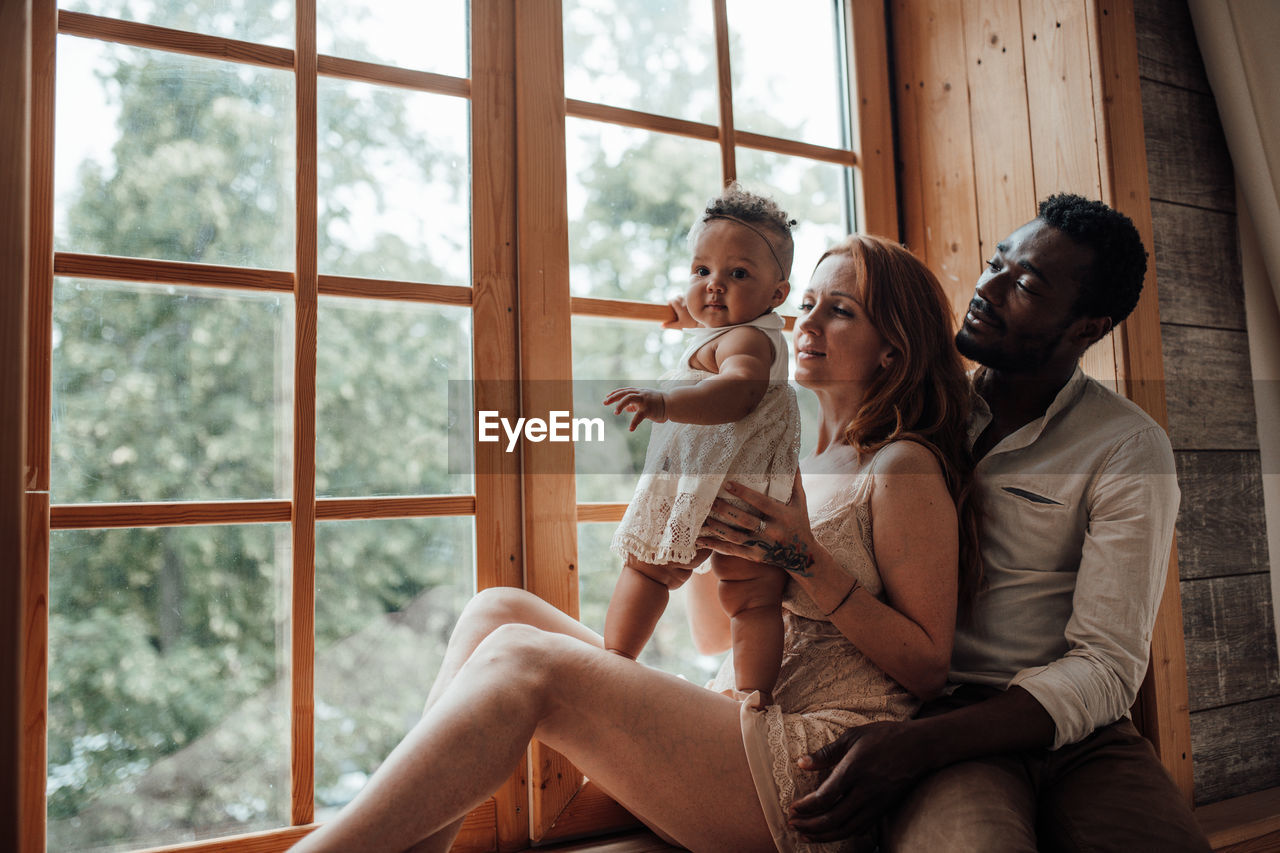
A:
x,y
1239,41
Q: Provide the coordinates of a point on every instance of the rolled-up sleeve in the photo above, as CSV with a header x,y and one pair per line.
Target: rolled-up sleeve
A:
x,y
1133,504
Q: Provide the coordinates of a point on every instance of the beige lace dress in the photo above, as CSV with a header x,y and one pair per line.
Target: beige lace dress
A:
x,y
826,684
686,464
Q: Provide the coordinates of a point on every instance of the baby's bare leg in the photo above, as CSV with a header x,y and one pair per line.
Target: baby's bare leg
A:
x,y
638,601
751,593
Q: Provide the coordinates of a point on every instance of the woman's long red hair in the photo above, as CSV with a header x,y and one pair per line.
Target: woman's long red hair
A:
x,y
923,394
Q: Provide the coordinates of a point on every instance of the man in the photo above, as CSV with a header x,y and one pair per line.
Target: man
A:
x,y
1032,749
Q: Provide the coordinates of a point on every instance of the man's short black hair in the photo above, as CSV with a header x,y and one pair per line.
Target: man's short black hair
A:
x,y
1114,283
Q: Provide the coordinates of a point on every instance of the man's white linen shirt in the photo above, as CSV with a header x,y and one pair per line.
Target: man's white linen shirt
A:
x,y
1078,515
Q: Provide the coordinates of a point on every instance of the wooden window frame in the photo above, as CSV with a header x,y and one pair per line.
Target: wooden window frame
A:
x,y
522,520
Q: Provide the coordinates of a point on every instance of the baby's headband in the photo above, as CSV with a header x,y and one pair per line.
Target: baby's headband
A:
x,y
758,232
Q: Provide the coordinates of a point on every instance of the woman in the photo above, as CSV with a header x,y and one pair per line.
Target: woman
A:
x,y
871,609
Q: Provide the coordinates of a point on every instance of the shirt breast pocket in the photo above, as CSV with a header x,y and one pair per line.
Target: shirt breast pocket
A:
x,y
1040,528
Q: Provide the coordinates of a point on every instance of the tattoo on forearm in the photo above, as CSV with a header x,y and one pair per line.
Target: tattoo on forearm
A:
x,y
794,557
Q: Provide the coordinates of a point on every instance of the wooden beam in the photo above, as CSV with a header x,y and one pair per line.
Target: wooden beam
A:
x,y
546,366
872,107
1163,710
495,319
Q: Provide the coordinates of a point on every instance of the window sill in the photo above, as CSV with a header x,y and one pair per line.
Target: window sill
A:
x,y
1248,824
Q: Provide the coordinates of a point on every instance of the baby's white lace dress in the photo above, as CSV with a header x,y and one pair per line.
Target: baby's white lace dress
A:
x,y
687,464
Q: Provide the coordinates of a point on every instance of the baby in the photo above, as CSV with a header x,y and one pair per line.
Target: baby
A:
x,y
725,413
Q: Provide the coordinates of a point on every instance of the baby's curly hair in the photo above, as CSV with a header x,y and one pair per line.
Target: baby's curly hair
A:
x,y
1119,259
756,210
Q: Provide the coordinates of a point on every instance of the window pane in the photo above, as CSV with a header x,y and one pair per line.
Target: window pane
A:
x,y
382,397
263,21
388,594
394,183
173,157
610,354
787,70
632,197
656,56
168,684
170,393
813,192
409,33
671,648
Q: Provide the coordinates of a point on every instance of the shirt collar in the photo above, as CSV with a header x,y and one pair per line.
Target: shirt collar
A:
x,y
980,418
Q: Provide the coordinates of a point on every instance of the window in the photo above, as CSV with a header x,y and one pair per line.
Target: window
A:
x,y
283,270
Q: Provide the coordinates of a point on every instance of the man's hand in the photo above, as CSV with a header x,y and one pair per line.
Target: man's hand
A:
x,y
645,402
868,769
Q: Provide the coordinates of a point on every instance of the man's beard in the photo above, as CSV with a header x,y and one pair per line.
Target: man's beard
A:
x,y
1027,358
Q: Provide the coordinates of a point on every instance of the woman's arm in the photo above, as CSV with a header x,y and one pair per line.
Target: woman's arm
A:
x,y
916,539
916,545
708,622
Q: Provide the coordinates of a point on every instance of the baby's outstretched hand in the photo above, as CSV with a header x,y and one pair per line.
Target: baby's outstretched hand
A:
x,y
645,402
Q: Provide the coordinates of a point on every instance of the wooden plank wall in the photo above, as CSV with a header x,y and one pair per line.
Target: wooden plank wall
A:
x,y
1232,671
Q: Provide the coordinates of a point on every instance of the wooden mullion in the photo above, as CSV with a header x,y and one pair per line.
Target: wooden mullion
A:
x,y
600,511
267,841
546,365
1162,711
405,291
344,509
795,148
626,309
641,120
173,41
35,675
623,309
390,75
150,271
306,286
39,356
168,514
44,39
724,90
16,758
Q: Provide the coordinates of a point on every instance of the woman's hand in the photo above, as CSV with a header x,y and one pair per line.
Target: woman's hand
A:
x,y
645,402
770,532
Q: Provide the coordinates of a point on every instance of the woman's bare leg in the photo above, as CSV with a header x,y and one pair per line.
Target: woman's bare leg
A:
x,y
489,610
670,751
